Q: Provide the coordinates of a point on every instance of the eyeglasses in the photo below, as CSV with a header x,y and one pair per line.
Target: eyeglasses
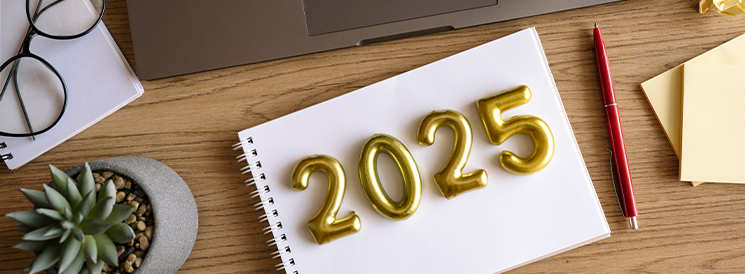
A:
x,y
34,95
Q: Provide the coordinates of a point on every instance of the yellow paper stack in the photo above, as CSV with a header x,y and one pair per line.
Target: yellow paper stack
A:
x,y
701,107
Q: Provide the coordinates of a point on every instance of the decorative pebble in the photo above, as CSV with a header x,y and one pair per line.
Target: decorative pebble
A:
x,y
131,219
120,250
141,210
144,243
128,266
107,174
149,232
131,258
141,226
131,197
128,184
128,251
118,182
138,262
134,204
98,187
120,196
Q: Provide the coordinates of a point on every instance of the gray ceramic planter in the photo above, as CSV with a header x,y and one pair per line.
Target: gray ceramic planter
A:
x,y
173,205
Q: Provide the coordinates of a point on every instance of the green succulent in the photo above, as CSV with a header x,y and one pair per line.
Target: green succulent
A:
x,y
73,224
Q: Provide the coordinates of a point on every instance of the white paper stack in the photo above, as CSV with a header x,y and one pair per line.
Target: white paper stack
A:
x,y
99,81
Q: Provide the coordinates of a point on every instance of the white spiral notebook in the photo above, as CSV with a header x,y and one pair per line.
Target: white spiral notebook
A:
x,y
514,220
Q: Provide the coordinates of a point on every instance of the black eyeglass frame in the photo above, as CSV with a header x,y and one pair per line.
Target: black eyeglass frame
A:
x,y
25,52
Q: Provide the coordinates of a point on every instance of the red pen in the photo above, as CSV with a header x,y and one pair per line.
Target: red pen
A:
x,y
627,200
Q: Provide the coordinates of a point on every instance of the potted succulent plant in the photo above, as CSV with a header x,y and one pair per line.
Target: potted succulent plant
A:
x,y
73,225
169,240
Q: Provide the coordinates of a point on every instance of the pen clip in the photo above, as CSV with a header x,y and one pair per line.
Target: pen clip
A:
x,y
613,178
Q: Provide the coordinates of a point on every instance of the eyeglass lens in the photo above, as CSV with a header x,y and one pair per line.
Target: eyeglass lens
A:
x,y
64,17
32,99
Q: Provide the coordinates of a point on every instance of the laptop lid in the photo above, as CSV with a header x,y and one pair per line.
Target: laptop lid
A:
x,y
174,37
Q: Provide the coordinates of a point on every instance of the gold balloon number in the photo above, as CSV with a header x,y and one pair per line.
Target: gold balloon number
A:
x,y
450,180
324,226
498,130
372,187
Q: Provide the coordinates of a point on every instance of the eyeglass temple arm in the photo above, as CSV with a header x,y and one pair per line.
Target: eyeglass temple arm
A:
x,y
14,72
5,86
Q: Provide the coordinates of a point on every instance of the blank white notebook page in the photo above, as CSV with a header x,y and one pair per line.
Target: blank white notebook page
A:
x,y
514,220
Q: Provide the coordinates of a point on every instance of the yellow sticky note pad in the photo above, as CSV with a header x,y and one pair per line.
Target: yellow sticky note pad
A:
x,y
664,91
713,135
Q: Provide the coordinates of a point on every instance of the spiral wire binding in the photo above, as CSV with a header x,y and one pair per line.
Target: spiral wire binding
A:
x,y
253,167
5,157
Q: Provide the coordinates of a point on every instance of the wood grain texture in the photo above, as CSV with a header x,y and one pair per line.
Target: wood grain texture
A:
x,y
190,122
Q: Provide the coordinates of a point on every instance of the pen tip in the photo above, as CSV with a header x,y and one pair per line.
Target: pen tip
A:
x,y
596,25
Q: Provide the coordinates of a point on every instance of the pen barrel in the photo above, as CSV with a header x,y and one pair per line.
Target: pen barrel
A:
x,y
620,162
601,58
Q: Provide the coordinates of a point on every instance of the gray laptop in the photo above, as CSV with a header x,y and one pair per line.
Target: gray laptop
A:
x,y
174,37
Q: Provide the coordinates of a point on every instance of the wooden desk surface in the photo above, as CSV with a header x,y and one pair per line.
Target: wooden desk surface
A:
x,y
190,122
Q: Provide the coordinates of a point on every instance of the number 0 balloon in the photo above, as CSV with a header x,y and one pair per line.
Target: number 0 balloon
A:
x,y
372,187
